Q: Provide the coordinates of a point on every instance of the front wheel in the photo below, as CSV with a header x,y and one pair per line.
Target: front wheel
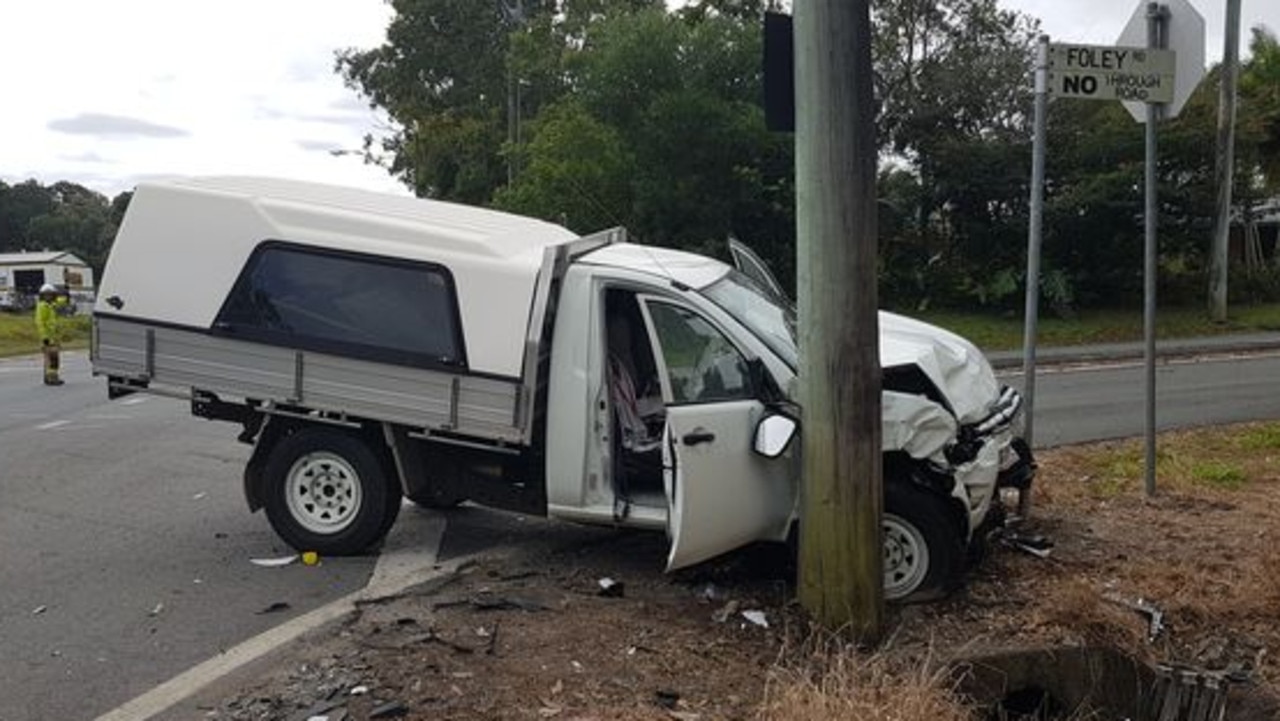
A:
x,y
326,491
923,543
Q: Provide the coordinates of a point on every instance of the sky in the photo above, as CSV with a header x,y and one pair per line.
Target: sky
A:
x,y
110,94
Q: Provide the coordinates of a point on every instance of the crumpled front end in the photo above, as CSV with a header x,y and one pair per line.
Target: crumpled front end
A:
x,y
944,408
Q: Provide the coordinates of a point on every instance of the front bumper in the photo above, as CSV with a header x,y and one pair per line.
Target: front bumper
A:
x,y
1017,466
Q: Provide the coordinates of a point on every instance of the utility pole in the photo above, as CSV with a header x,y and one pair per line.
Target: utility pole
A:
x,y
841,581
1218,260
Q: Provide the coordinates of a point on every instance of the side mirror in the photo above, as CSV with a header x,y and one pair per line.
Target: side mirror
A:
x,y
774,434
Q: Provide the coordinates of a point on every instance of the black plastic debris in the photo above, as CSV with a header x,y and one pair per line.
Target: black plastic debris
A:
x,y
276,607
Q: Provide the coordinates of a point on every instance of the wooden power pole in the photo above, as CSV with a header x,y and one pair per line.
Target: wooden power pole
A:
x,y
1218,260
841,582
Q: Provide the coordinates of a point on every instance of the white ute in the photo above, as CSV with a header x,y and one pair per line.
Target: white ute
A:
x,y
373,347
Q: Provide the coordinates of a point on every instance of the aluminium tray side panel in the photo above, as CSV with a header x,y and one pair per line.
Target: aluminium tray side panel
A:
x,y
434,400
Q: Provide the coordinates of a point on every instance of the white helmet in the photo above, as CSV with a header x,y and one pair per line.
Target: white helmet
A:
x,y
48,288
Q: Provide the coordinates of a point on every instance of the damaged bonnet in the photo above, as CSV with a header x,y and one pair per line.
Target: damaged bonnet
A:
x,y
954,365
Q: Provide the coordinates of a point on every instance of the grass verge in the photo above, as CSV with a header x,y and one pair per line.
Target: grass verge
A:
x,y
1102,326
18,333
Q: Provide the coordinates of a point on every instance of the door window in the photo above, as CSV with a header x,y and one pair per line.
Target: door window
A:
x,y
701,365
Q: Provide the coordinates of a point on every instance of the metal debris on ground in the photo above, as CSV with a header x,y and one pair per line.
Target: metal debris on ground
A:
x,y
39,610
1035,545
756,617
159,607
1155,616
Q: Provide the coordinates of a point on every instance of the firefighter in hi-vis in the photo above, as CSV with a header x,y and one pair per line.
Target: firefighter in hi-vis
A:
x,y
47,322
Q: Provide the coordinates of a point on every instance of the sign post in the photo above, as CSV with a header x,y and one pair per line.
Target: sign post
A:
x,y
1153,81
1034,239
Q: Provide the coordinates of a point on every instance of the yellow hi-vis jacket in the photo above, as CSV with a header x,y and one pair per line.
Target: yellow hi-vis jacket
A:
x,y
46,321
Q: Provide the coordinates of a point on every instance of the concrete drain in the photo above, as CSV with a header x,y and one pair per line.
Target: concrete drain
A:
x,y
1063,684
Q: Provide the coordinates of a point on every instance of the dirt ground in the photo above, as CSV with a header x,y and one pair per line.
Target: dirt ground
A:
x,y
535,635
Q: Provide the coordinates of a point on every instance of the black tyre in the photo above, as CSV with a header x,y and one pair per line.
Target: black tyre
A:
x,y
326,491
923,544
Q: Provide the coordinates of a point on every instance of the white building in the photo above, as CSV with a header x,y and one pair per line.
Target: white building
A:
x,y
22,274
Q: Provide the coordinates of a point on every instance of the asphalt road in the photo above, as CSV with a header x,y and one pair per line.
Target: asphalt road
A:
x,y
125,546
125,541
1080,404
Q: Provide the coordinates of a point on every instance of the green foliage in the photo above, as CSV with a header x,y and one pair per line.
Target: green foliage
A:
x,y
63,216
1262,437
1218,474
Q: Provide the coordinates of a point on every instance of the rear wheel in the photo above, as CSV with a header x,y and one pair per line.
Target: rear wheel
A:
x,y
923,544
326,491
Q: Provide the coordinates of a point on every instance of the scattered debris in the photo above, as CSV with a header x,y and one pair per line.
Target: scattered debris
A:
x,y
684,715
666,698
39,610
756,617
486,602
157,610
274,562
1035,545
725,612
310,558
1155,616
199,496
710,593
276,607
358,690
610,588
390,709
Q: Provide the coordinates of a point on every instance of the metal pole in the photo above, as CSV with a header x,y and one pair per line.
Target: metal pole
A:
x,y
1218,260
1034,239
1156,14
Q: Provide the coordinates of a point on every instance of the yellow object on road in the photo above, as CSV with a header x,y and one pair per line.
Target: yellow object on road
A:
x,y
310,558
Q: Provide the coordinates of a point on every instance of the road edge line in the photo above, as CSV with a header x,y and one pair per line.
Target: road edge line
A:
x,y
189,682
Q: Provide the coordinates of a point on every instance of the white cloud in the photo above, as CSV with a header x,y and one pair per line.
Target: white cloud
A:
x,y
248,85
106,93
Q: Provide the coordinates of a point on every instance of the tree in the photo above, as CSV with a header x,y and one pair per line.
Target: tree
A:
x,y
953,82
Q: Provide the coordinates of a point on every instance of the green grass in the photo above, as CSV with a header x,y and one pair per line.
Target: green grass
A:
x,y
1222,458
1261,438
1102,326
18,333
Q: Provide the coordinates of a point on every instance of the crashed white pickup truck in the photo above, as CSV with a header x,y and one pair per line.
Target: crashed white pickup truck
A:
x,y
373,347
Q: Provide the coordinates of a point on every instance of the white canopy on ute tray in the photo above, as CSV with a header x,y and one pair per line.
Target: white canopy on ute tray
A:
x,y
184,242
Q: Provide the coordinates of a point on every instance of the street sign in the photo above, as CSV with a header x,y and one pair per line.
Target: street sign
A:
x,y
1100,72
1184,34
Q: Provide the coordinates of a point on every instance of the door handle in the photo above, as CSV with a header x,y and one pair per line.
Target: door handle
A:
x,y
698,436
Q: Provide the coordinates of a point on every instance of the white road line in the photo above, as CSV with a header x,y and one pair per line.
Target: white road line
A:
x,y
51,425
409,559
